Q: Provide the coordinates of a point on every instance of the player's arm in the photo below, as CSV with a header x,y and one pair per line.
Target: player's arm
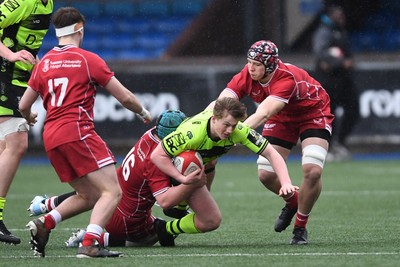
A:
x,y
25,105
127,99
21,55
268,108
164,163
10,17
176,194
280,168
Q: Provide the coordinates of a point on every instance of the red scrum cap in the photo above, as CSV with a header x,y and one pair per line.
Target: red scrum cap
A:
x,y
265,52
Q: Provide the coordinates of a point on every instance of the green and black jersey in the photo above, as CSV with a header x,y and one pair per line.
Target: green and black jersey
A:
x,y
23,25
194,134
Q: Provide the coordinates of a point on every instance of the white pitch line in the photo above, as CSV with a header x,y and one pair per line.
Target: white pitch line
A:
x,y
273,254
58,229
232,255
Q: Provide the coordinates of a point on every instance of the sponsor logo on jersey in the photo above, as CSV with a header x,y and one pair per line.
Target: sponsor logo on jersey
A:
x,y
174,141
317,121
11,5
2,16
256,138
189,135
46,64
256,93
269,126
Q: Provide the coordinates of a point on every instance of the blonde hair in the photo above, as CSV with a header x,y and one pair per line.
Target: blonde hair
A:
x,y
232,106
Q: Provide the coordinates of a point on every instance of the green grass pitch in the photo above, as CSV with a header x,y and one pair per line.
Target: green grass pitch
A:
x,y
354,223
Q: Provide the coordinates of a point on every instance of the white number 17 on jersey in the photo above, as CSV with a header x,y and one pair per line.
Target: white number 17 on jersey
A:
x,y
54,83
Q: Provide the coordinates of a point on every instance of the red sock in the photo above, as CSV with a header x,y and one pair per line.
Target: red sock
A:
x,y
293,200
301,220
48,204
49,222
89,237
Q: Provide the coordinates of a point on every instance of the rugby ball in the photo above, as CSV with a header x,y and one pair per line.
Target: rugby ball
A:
x,y
188,161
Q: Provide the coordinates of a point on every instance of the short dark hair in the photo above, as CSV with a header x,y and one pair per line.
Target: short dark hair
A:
x,y
65,16
232,106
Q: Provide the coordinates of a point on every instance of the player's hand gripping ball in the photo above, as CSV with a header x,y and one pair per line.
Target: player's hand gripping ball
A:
x,y
188,161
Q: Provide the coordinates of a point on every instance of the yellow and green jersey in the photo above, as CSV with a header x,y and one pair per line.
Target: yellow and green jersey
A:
x,y
23,25
194,134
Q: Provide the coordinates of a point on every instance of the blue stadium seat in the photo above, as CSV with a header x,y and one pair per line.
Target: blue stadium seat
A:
x,y
151,8
187,8
366,41
133,25
105,54
118,41
58,4
135,54
99,25
91,41
139,29
119,9
170,24
391,40
380,21
88,9
152,41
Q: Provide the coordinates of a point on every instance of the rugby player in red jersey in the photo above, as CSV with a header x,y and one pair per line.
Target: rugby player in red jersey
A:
x,y
292,106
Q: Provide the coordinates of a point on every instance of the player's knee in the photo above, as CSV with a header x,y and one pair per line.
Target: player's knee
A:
x,y
313,161
21,149
312,174
315,155
209,223
266,173
213,223
264,164
89,198
18,146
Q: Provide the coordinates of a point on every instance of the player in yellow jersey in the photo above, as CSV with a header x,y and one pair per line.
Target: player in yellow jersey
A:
x,y
23,25
213,133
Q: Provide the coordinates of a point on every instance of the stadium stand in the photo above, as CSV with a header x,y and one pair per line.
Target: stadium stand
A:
x,y
131,30
151,29
380,31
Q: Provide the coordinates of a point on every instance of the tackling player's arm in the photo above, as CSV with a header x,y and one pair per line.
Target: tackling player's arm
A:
x,y
163,161
260,145
280,168
127,99
176,194
267,108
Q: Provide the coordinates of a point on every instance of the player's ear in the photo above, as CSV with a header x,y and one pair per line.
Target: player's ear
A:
x,y
212,119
